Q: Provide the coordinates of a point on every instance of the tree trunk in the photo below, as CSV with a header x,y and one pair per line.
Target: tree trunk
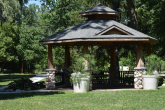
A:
x,y
132,14
1,16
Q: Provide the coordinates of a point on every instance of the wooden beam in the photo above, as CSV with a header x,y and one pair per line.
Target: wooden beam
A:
x,y
50,57
85,48
96,13
67,57
120,31
113,56
139,54
98,40
149,49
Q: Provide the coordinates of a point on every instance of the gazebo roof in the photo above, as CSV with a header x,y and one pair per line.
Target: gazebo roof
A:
x,y
98,30
98,8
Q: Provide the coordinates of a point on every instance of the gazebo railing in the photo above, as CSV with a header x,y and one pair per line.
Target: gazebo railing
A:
x,y
101,79
60,78
126,77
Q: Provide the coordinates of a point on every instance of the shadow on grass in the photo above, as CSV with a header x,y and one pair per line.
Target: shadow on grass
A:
x,y
26,95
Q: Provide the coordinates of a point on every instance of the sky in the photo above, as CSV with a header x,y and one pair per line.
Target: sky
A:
x,y
37,2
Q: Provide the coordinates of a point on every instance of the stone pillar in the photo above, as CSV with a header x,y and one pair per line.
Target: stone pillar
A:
x,y
50,72
140,67
67,64
50,79
138,84
112,69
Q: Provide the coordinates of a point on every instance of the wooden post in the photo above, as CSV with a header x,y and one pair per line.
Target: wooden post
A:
x,y
67,56
113,56
112,70
85,48
50,57
139,55
22,68
149,49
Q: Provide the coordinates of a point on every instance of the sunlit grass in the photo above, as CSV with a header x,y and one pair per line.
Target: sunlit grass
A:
x,y
95,100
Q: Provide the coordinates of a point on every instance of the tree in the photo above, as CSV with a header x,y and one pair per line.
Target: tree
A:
x,y
29,48
132,14
8,8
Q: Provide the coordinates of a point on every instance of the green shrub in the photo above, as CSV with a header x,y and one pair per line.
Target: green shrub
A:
x,y
25,83
161,79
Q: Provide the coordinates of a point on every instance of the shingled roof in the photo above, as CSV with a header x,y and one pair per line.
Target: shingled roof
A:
x,y
91,30
98,8
98,29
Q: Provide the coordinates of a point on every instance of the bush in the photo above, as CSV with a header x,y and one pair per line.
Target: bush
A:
x,y
161,79
25,83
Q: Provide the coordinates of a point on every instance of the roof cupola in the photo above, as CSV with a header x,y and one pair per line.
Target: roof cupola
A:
x,y
99,11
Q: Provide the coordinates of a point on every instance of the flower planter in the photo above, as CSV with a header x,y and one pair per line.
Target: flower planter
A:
x,y
81,86
150,82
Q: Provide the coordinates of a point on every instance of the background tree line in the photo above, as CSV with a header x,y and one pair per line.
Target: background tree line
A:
x,y
22,27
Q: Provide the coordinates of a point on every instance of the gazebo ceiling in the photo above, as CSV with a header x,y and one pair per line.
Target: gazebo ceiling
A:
x,y
98,30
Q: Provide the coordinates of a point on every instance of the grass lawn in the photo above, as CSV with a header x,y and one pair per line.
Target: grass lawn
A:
x,y
95,100
5,79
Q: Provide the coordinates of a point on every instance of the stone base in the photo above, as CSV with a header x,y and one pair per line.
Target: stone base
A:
x,y
138,77
50,79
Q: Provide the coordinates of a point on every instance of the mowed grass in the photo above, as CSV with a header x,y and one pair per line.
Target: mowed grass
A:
x,y
94,100
5,79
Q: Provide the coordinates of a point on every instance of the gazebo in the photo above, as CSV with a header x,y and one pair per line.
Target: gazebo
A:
x,y
99,29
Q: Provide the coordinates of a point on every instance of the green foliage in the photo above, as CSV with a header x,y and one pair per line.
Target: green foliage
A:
x,y
9,7
82,67
28,47
153,62
58,57
102,54
78,65
8,41
84,64
91,63
151,15
31,15
128,60
5,79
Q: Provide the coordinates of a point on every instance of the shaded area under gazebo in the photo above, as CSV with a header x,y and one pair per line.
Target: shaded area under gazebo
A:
x,y
99,29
